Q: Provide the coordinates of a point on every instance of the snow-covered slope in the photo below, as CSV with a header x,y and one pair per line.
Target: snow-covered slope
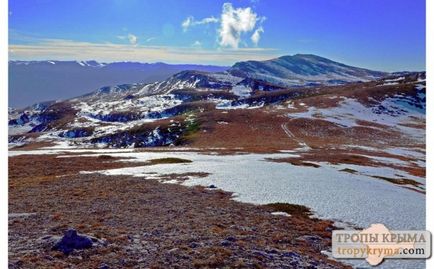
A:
x,y
303,69
128,114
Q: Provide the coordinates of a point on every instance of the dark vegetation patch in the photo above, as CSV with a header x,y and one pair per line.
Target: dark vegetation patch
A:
x,y
182,176
191,129
348,170
56,116
400,181
292,209
292,161
106,157
34,169
168,160
33,145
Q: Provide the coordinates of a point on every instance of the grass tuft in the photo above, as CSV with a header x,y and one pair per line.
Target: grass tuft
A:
x,y
105,157
348,170
400,181
168,160
292,209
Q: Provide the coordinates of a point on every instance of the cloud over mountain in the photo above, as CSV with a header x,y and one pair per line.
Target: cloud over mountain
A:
x,y
234,24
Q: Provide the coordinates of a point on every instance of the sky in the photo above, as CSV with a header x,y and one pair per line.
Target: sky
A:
x,y
387,35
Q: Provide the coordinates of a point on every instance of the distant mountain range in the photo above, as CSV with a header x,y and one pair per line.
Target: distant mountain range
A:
x,y
36,81
163,112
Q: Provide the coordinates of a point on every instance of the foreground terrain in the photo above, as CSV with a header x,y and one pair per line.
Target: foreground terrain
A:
x,y
144,223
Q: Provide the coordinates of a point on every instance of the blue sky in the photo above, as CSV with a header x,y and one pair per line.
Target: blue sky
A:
x,y
385,35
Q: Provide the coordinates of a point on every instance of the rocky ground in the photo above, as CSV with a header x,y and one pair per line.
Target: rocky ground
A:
x,y
137,223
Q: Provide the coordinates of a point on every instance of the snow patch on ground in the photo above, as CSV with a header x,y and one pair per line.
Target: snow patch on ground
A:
x,y
260,182
391,112
145,104
353,199
416,153
278,213
19,129
227,104
241,91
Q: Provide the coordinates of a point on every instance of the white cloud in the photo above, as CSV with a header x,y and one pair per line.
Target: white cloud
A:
x,y
257,35
60,49
130,37
191,21
196,43
187,23
208,20
236,21
133,39
150,39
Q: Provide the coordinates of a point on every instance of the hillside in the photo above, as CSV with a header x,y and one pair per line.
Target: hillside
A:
x,y
36,81
303,69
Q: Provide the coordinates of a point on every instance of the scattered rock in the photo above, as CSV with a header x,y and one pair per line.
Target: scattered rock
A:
x,y
194,245
20,215
310,238
231,239
225,243
173,250
212,186
103,266
261,253
291,254
273,251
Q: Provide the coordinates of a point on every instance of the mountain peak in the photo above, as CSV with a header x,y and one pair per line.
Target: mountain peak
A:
x,y
305,57
303,69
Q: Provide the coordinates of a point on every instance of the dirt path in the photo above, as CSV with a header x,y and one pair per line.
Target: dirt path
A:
x,y
292,136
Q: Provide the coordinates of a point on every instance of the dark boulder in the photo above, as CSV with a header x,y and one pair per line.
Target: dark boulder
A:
x,y
71,240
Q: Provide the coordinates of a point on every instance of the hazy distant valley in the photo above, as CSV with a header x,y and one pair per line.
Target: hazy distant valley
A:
x,y
55,80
